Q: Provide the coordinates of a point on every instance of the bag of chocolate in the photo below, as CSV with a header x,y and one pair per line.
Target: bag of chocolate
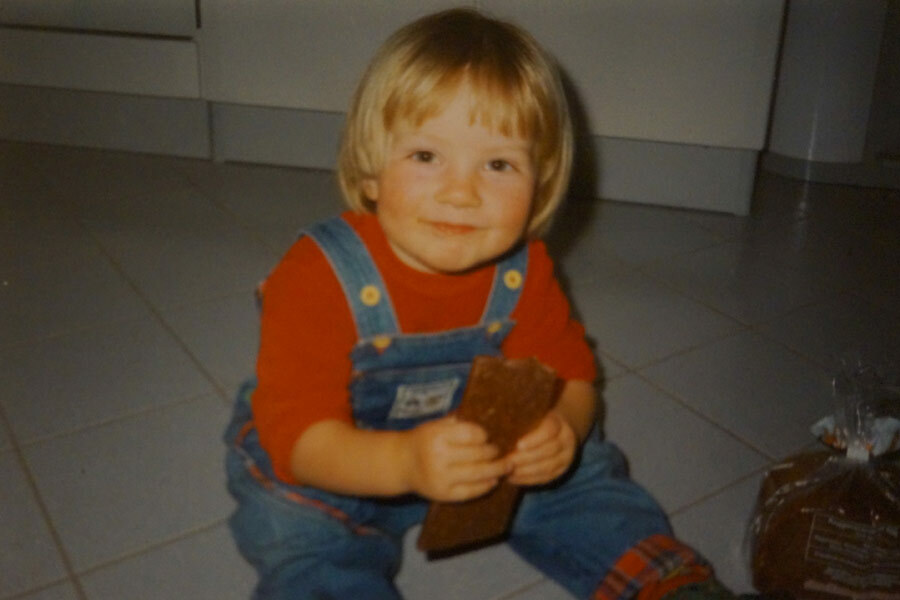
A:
x,y
827,522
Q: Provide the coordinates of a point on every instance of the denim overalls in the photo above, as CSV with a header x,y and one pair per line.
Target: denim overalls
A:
x,y
307,543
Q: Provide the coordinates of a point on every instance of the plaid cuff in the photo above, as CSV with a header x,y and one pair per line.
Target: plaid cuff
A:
x,y
651,569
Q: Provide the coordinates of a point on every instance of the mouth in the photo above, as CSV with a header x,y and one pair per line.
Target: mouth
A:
x,y
445,228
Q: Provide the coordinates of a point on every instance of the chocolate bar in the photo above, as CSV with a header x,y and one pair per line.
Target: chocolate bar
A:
x,y
508,397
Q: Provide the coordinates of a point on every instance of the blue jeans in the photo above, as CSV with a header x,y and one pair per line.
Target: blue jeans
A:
x,y
310,544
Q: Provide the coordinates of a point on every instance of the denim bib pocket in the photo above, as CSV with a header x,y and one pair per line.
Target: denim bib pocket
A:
x,y
400,399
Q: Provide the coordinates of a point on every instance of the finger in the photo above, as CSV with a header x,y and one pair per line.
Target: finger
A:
x,y
463,432
537,453
546,430
539,472
484,471
538,465
472,454
544,463
469,490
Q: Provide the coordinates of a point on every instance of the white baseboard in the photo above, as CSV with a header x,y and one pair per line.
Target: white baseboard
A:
x,y
686,176
178,127
279,136
677,175
883,173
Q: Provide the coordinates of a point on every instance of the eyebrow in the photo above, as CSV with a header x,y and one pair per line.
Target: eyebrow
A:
x,y
413,137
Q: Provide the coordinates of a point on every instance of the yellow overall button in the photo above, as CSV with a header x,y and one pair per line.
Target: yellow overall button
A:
x,y
512,279
381,342
370,295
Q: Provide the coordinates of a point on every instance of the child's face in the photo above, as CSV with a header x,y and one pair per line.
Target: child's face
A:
x,y
453,194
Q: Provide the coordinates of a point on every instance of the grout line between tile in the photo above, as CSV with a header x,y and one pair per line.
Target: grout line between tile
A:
x,y
511,595
637,368
42,507
676,398
695,299
125,556
237,220
157,313
721,489
688,349
16,448
246,294
643,264
117,419
41,588
790,349
69,331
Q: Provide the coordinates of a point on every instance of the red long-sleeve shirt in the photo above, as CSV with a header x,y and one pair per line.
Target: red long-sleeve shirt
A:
x,y
307,330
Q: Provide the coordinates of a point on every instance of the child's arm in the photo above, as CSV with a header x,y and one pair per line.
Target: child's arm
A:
x,y
444,459
547,452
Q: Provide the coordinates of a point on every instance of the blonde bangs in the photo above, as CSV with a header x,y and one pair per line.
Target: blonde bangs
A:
x,y
495,106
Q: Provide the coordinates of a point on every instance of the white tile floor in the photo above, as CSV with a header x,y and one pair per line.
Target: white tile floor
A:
x,y
127,319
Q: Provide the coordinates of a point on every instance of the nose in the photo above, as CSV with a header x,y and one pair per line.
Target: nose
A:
x,y
460,189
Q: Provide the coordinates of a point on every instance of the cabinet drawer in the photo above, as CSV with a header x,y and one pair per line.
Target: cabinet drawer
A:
x,y
173,18
103,63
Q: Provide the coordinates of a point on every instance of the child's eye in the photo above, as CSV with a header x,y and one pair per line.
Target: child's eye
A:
x,y
425,156
499,165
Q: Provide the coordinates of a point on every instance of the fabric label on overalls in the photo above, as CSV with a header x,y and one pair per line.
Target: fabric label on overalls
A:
x,y
421,399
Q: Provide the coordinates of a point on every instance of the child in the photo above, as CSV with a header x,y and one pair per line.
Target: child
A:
x,y
456,154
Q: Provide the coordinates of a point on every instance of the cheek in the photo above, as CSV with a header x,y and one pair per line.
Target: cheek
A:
x,y
401,187
516,208
392,195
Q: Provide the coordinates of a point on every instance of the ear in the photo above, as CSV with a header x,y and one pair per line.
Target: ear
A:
x,y
370,188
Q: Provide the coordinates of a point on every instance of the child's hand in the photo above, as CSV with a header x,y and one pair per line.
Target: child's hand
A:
x,y
450,460
545,453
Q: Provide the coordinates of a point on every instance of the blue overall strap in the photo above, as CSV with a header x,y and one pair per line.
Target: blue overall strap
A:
x,y
509,279
366,293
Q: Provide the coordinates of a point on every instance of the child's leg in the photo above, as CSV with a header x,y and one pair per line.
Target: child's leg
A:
x,y
601,535
302,545
300,551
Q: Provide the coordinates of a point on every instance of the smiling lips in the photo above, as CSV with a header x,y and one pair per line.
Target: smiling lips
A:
x,y
451,228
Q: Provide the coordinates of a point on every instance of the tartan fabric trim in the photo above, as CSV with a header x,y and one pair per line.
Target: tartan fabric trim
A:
x,y
274,487
654,566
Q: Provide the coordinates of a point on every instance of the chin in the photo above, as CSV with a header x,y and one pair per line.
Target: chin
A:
x,y
455,265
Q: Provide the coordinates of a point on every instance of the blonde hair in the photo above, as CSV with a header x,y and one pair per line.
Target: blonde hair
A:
x,y
416,73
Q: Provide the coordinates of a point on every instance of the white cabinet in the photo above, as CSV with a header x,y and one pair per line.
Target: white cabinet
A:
x,y
175,18
130,47
684,71
100,63
675,93
306,54
121,74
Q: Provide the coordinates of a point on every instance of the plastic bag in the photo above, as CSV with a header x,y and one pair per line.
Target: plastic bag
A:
x,y
827,522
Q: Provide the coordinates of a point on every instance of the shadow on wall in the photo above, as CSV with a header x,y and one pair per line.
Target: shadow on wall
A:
x,y
578,206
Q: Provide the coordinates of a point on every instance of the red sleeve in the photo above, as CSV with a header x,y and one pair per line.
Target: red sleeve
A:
x,y
303,365
544,325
